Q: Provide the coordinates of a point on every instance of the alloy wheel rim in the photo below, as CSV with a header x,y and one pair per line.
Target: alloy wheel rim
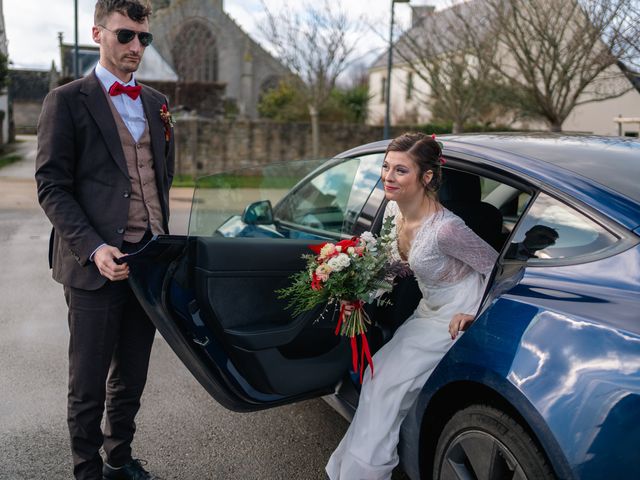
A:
x,y
478,455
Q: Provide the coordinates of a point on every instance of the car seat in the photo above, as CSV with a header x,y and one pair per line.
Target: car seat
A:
x,y
461,193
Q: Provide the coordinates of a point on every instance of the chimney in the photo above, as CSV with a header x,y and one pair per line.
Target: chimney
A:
x,y
420,12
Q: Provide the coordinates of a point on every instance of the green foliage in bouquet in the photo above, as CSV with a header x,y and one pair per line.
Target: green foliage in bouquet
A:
x,y
354,270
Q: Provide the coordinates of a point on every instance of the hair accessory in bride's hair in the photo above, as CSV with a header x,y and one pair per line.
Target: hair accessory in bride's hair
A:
x,y
440,158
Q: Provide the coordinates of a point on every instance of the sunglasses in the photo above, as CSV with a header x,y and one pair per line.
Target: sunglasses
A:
x,y
125,36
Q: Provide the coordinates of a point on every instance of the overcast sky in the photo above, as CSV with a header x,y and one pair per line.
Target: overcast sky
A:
x,y
32,25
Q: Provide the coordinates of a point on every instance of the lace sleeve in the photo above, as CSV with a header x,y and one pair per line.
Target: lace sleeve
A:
x,y
459,241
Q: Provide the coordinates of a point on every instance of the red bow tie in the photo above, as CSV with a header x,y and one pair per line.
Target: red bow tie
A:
x,y
118,89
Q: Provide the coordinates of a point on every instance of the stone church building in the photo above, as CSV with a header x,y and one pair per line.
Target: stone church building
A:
x,y
204,45
200,58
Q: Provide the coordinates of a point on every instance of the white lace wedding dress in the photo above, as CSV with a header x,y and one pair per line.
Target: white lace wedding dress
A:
x,y
450,263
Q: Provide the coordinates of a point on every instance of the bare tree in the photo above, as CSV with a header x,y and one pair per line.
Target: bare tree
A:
x,y
460,82
558,54
632,36
316,43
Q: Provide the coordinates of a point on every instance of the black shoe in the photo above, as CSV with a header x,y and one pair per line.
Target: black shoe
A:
x,y
129,471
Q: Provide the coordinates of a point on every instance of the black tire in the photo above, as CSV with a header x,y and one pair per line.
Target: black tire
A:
x,y
483,443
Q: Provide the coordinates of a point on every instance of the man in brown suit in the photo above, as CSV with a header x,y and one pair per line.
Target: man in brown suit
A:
x,y
104,167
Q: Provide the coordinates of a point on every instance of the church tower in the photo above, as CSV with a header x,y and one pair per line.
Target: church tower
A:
x,y
206,47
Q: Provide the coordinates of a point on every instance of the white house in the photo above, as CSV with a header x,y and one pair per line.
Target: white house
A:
x,y
409,93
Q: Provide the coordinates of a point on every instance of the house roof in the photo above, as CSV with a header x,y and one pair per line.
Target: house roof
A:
x,y
153,68
87,55
436,26
633,76
430,26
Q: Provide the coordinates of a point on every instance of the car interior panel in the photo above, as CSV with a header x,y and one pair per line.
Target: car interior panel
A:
x,y
236,288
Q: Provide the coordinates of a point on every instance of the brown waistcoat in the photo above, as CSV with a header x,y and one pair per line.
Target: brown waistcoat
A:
x,y
144,205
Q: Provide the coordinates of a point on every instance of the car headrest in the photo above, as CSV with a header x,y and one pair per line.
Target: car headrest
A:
x,y
459,187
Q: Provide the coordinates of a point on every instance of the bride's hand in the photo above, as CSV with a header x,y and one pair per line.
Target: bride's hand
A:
x,y
459,323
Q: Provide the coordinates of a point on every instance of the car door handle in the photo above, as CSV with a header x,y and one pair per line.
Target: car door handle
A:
x,y
202,342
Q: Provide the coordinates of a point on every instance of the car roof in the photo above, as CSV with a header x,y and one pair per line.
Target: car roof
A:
x,y
609,162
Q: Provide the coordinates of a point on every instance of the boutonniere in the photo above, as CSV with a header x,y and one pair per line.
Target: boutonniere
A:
x,y
168,120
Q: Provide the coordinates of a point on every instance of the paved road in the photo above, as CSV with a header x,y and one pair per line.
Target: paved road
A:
x,y
181,431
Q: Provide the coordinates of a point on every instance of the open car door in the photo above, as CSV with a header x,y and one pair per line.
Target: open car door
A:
x,y
213,295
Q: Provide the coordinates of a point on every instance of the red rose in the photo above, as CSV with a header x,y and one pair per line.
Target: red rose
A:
x,y
316,284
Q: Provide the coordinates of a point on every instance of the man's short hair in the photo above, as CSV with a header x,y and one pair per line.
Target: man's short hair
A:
x,y
136,10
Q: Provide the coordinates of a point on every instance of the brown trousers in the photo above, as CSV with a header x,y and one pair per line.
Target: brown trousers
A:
x,y
109,349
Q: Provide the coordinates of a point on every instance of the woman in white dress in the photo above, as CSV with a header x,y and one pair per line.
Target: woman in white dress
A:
x,y
450,263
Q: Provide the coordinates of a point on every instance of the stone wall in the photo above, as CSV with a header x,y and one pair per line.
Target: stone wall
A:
x,y
25,116
205,146
27,90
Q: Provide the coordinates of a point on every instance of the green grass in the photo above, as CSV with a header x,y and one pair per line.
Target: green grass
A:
x,y
183,181
235,181
9,158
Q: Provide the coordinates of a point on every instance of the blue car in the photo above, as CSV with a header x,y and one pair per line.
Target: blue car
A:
x,y
544,384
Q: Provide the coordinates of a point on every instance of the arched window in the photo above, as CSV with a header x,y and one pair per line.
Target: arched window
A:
x,y
269,83
195,56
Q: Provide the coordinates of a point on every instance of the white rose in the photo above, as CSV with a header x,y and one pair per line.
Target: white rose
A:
x,y
339,262
368,238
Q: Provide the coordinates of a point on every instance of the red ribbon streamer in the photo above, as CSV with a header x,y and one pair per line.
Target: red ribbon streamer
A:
x,y
365,352
354,353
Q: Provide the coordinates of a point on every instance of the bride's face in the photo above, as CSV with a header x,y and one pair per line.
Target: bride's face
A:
x,y
401,177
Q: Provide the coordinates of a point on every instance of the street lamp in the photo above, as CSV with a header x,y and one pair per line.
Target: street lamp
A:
x,y
76,66
386,132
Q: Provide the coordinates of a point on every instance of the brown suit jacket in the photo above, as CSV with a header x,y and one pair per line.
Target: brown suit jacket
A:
x,y
82,177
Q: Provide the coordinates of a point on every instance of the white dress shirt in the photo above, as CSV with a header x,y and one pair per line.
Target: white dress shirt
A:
x,y
130,110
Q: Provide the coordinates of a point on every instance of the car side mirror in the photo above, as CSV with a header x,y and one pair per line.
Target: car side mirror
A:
x,y
258,213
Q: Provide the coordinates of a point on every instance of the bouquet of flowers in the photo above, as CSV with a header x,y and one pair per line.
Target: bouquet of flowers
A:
x,y
349,273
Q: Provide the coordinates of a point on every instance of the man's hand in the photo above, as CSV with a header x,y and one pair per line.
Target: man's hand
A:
x,y
103,258
459,323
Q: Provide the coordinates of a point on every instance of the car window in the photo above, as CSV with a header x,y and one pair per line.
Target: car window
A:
x,y
552,230
332,200
220,200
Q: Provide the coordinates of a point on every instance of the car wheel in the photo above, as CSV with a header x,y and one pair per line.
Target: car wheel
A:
x,y
481,442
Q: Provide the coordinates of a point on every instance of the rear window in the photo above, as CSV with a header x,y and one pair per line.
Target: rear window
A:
x,y
552,230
